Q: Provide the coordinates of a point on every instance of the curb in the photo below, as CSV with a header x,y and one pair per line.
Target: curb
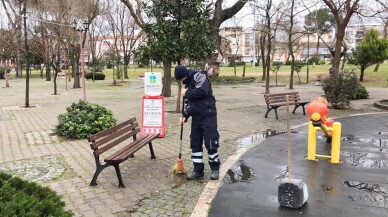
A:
x,y
202,207
380,105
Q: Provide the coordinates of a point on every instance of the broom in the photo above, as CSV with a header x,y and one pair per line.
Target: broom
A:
x,y
179,168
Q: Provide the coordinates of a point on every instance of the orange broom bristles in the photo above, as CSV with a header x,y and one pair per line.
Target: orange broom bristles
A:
x,y
179,168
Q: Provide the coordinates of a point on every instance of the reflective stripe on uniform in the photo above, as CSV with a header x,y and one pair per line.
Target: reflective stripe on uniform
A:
x,y
195,160
213,157
196,154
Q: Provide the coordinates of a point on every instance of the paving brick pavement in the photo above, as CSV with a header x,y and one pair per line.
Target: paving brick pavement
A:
x,y
151,188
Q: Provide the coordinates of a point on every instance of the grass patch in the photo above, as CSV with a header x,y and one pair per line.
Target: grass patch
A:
x,y
372,79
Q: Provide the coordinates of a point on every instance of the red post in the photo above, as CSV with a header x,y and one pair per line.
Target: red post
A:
x,y
82,64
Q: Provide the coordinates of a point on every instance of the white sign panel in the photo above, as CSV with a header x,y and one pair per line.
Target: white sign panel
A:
x,y
153,83
152,116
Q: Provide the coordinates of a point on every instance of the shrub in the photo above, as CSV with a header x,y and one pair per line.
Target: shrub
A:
x,y
313,60
109,65
97,76
23,198
361,92
2,72
341,87
298,65
230,79
288,62
84,119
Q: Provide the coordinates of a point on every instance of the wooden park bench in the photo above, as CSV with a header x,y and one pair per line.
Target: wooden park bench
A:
x,y
276,100
119,136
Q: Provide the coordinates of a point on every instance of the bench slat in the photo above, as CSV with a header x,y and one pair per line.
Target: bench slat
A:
x,y
130,149
113,135
115,142
93,138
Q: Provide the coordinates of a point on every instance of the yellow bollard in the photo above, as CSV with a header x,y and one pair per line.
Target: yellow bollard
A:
x,y
336,143
312,142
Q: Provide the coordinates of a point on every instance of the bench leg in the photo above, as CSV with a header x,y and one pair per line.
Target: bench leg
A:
x,y
296,106
118,173
151,150
94,180
276,113
268,110
99,168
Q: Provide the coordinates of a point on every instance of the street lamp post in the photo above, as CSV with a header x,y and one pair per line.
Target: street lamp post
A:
x,y
308,55
84,28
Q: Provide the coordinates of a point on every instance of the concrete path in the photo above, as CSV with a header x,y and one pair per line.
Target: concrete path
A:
x,y
28,140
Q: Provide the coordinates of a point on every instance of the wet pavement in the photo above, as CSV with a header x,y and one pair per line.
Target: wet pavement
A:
x,y
358,186
27,140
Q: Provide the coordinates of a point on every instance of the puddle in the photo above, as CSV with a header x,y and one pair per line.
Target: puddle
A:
x,y
373,194
366,187
360,154
239,172
259,136
377,142
361,160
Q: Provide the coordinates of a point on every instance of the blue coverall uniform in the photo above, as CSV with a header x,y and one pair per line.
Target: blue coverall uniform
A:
x,y
201,106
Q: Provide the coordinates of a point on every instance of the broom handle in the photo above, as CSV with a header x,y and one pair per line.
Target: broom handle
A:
x,y
181,137
288,138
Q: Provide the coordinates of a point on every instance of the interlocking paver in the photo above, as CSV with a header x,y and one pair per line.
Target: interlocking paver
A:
x,y
151,186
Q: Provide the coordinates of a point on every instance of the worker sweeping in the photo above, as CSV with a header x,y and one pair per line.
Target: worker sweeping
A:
x,y
201,107
179,168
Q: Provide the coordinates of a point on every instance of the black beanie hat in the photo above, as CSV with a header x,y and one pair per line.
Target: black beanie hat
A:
x,y
181,72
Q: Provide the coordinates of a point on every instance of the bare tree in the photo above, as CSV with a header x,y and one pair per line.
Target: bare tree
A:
x,y
271,18
13,11
382,16
125,33
293,33
342,11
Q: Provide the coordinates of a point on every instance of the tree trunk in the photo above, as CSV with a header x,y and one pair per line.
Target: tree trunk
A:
x,y
166,91
48,72
377,67
338,47
318,49
126,71
76,75
292,71
243,71
178,100
126,64
262,51
219,17
18,67
41,70
55,82
362,73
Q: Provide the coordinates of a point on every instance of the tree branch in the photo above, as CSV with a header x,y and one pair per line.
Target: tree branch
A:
x,y
135,15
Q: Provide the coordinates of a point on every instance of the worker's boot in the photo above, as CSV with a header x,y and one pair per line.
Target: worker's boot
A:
x,y
215,175
194,175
